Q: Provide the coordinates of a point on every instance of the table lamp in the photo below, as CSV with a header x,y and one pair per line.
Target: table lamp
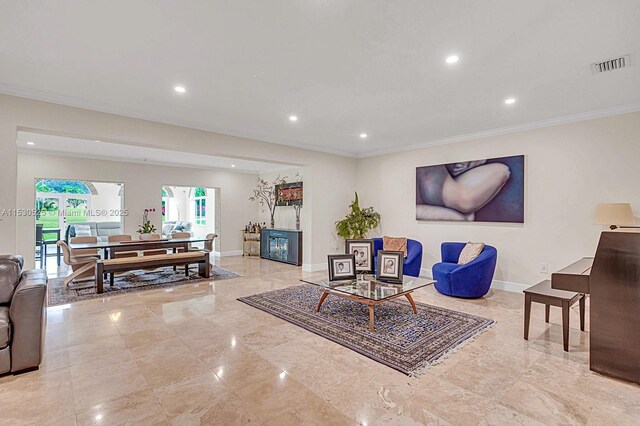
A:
x,y
614,215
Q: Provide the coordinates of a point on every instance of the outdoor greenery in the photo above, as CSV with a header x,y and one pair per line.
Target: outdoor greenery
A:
x,y
62,186
147,227
359,222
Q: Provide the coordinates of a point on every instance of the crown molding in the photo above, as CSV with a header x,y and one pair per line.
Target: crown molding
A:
x,y
583,116
125,112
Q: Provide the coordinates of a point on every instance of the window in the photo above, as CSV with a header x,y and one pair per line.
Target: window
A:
x,y
165,201
200,205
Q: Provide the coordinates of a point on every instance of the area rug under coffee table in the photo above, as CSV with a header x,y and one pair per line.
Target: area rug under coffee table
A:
x,y
129,282
402,340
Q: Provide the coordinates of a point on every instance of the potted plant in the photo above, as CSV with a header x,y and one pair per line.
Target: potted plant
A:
x,y
147,228
359,222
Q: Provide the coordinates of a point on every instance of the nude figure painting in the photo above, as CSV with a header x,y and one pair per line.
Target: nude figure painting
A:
x,y
489,190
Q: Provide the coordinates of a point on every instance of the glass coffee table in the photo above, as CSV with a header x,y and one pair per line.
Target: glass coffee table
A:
x,y
369,291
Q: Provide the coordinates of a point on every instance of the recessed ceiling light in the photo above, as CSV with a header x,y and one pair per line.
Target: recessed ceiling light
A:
x,y
180,89
510,101
233,165
30,143
363,135
452,59
293,118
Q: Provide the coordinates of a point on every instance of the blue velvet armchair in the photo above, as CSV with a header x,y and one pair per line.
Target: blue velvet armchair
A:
x,y
413,261
472,280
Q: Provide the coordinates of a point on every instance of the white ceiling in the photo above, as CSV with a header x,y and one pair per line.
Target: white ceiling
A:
x,y
343,66
43,143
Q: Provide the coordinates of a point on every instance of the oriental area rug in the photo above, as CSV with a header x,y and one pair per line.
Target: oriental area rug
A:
x,y
127,282
402,340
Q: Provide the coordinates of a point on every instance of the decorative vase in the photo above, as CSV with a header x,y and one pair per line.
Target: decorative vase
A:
x,y
145,236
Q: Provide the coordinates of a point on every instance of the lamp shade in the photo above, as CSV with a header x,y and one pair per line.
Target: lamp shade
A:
x,y
614,214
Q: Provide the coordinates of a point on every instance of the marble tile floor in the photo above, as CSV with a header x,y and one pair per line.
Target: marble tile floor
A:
x,y
195,355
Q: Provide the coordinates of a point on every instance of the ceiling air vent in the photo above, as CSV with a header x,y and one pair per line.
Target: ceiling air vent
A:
x,y
611,64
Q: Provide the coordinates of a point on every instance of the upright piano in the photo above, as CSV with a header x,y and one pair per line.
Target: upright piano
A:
x,y
612,279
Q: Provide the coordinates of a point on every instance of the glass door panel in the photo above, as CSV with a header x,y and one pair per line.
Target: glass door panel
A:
x,y
48,214
76,209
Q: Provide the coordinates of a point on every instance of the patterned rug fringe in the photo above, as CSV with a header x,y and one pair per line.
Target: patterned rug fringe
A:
x,y
422,369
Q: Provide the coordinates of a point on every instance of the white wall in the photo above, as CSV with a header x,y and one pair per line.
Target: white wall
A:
x,y
108,199
285,216
568,170
324,173
142,189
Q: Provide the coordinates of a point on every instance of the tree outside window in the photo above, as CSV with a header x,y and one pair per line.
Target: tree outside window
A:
x,y
200,205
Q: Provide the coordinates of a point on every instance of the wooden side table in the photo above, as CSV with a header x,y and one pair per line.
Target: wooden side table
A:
x,y
543,293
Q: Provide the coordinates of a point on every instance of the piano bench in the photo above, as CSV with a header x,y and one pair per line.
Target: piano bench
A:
x,y
543,293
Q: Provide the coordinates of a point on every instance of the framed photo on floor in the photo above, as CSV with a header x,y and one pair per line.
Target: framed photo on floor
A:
x,y
390,266
342,267
362,250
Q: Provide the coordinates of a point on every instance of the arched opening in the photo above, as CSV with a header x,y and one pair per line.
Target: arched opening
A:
x,y
59,203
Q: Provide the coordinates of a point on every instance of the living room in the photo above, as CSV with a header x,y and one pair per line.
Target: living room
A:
x,y
445,123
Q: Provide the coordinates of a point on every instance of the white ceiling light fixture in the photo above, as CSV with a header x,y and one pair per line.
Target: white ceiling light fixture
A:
x,y
363,135
31,143
180,89
452,59
293,118
510,101
233,165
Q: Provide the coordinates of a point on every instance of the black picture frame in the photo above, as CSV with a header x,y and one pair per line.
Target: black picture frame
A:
x,y
349,271
365,265
393,275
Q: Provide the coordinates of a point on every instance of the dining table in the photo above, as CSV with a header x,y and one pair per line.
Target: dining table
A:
x,y
109,248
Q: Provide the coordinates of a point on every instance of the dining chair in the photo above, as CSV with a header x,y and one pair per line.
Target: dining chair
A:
x,y
84,240
208,245
178,235
153,252
41,246
121,254
82,265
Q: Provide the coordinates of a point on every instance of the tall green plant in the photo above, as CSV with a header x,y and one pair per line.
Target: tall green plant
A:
x,y
359,222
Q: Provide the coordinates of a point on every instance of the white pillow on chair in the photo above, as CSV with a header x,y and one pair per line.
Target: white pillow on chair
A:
x,y
82,230
470,252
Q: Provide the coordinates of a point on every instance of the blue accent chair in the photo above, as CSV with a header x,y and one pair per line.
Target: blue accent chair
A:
x,y
470,281
413,261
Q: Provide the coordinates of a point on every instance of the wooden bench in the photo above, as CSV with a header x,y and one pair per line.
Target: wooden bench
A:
x,y
543,293
111,266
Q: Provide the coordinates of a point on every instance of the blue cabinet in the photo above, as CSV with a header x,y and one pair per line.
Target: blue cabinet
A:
x,y
281,245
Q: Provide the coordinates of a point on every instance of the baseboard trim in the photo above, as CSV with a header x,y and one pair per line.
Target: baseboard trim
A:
x,y
509,286
495,284
227,253
314,267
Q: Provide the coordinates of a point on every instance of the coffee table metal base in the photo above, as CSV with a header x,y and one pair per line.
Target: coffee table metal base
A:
x,y
365,301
